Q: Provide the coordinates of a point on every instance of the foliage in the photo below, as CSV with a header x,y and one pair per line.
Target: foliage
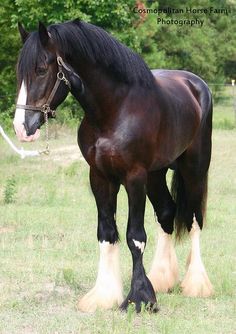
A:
x,y
10,190
203,50
70,278
209,51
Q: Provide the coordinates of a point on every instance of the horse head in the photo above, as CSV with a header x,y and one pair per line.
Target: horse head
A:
x,y
44,81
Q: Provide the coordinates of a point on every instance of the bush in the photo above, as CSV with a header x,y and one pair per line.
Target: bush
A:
x,y
10,190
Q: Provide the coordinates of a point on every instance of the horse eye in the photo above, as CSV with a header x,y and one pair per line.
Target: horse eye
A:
x,y
41,71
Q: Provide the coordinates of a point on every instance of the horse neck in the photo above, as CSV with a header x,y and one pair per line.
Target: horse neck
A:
x,y
102,95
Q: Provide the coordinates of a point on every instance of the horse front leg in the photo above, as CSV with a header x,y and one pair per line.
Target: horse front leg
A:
x,y
107,291
141,291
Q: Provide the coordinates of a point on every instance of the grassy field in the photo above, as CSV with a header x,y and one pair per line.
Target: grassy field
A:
x,y
224,116
49,253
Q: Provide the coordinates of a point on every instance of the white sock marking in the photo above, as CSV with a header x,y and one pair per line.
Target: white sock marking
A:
x,y
139,244
108,287
196,282
195,238
109,262
164,270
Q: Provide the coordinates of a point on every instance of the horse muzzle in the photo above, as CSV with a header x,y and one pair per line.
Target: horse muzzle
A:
x,y
27,129
22,134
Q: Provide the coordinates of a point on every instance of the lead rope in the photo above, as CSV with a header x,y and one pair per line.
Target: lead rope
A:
x,y
26,153
45,109
23,153
47,149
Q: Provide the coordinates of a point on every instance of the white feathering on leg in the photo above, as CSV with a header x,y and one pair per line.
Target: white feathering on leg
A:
x,y
107,291
196,282
164,271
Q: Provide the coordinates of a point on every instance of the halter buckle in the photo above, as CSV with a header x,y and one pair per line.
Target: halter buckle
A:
x,y
53,113
59,61
47,110
61,77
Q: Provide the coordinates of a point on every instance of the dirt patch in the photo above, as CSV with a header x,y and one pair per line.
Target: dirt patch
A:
x,y
65,155
7,229
52,291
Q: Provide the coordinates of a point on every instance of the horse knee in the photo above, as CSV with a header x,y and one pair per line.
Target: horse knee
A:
x,y
136,240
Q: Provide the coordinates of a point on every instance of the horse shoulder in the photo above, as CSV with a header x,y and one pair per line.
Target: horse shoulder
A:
x,y
86,139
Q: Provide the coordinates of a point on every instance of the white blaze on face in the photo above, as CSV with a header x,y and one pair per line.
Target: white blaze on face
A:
x,y
19,118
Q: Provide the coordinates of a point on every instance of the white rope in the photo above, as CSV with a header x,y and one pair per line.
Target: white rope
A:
x,y
23,153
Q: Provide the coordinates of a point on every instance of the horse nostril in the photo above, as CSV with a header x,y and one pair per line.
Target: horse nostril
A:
x,y
30,130
33,121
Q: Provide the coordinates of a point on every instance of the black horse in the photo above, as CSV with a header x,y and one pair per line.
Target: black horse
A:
x,y
137,124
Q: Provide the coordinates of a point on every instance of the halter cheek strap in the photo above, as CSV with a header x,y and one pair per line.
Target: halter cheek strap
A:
x,y
46,108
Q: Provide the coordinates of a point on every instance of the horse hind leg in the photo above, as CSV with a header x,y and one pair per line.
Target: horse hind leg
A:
x,y
196,282
164,273
190,196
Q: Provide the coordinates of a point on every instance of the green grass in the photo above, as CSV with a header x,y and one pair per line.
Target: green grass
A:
x,y
49,252
224,115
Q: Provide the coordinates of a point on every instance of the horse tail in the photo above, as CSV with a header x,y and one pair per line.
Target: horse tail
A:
x,y
179,196
184,213
189,183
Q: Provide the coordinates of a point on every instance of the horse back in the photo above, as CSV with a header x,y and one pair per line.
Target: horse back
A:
x,y
197,86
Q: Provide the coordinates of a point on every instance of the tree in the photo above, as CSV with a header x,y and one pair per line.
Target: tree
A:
x,y
115,16
209,51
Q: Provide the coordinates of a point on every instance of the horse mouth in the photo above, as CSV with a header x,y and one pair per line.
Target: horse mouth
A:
x,y
23,135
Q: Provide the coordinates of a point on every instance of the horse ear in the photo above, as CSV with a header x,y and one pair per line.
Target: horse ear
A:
x,y
43,34
23,33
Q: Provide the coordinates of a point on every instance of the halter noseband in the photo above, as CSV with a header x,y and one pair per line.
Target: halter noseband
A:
x,y
45,108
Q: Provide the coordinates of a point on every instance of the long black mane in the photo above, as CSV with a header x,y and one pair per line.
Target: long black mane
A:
x,y
80,40
31,53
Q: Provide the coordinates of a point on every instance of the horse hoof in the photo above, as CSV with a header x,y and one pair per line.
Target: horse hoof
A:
x,y
139,306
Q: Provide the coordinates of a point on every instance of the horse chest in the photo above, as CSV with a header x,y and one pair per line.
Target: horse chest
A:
x,y
106,155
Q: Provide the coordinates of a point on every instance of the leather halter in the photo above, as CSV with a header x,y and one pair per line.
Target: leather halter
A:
x,y
46,108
